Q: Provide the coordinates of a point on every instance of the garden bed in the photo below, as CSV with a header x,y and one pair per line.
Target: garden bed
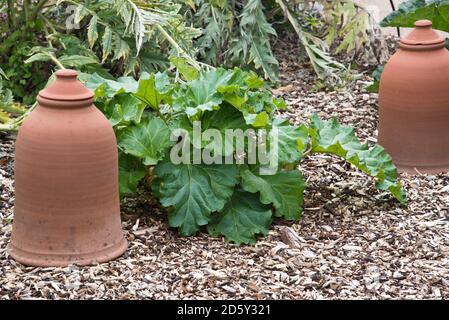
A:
x,y
352,242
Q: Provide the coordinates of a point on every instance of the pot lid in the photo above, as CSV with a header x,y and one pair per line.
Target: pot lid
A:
x,y
66,87
423,34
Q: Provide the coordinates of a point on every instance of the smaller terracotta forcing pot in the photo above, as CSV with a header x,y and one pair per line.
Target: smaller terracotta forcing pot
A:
x,y
414,103
66,181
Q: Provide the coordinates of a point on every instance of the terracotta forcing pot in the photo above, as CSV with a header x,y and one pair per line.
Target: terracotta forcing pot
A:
x,y
66,181
414,103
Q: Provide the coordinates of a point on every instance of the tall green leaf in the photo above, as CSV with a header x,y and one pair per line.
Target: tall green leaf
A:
x,y
256,32
92,31
106,42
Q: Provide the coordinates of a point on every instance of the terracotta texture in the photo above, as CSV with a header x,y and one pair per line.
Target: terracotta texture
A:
x,y
414,103
66,181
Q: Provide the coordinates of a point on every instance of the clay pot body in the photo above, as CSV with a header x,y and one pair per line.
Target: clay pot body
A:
x,y
66,181
414,103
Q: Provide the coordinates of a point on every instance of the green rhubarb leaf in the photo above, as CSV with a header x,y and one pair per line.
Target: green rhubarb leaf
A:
x,y
131,171
413,10
188,72
153,89
292,141
242,218
259,108
193,192
233,94
109,88
123,109
202,94
257,120
253,81
148,140
227,118
328,136
284,190
377,74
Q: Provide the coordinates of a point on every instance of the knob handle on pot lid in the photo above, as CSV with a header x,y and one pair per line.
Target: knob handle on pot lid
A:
x,y
66,87
423,34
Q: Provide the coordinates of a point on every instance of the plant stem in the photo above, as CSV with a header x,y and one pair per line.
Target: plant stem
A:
x,y
48,23
14,125
56,61
11,14
394,9
180,50
307,153
7,127
38,9
289,16
26,11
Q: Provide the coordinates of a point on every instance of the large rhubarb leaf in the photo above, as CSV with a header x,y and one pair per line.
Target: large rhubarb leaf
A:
x,y
227,118
153,89
284,190
202,94
242,218
149,140
193,192
213,89
259,108
109,88
131,171
122,109
328,136
188,72
292,141
410,11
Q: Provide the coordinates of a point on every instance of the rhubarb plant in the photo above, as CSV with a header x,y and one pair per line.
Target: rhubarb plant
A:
x,y
233,195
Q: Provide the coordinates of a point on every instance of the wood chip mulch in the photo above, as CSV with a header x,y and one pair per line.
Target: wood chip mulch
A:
x,y
352,242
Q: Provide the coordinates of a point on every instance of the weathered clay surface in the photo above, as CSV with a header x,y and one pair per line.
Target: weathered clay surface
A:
x,y
66,174
414,103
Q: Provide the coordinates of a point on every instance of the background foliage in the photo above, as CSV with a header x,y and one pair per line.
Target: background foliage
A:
x,y
127,37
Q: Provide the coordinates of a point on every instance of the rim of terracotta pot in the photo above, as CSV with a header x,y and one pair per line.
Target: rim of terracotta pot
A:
x,y
415,47
37,259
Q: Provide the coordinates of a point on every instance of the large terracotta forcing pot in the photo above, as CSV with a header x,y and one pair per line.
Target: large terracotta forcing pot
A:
x,y
414,103
66,181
